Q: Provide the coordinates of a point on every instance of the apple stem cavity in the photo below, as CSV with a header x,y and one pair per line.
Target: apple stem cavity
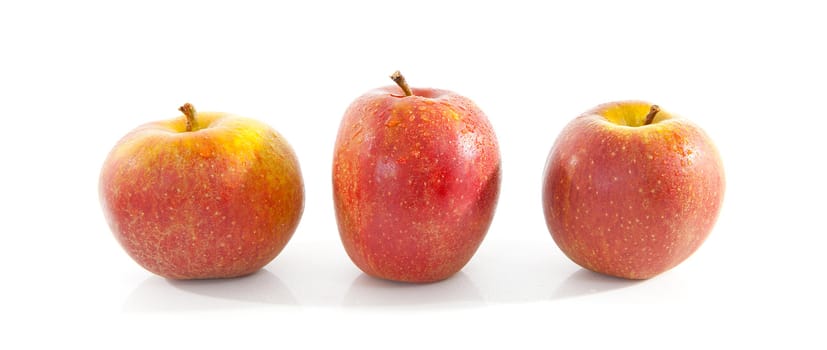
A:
x,y
400,80
189,112
651,116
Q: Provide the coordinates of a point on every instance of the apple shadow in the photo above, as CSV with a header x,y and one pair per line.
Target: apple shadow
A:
x,y
156,294
456,291
584,282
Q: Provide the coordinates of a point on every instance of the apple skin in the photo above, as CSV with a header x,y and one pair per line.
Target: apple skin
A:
x,y
627,200
415,182
220,201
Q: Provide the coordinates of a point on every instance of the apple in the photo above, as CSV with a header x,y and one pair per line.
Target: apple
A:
x,y
416,178
630,190
204,195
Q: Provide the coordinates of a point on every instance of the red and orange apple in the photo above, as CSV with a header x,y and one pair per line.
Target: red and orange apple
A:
x,y
631,190
416,177
204,195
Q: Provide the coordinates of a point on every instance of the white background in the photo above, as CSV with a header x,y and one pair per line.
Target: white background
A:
x,y
75,76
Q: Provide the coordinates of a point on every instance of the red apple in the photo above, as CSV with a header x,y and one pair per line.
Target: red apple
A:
x,y
206,195
416,177
630,190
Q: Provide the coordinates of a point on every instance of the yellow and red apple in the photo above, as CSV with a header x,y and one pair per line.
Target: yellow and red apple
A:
x,y
631,190
416,177
204,195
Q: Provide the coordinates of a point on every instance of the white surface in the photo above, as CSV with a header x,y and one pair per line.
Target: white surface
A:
x,y
75,76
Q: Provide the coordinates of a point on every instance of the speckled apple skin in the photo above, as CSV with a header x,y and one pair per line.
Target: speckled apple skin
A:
x,y
218,202
630,201
415,182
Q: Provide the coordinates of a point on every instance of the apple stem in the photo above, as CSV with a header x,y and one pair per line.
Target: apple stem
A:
x,y
651,116
189,112
400,80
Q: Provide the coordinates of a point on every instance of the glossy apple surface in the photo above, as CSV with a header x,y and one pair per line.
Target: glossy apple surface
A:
x,y
220,200
630,199
415,182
